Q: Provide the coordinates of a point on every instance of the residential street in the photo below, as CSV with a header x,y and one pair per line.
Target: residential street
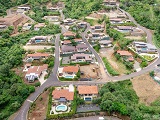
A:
x,y
54,81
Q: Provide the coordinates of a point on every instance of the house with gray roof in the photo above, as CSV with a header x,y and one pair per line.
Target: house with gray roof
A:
x,y
66,49
81,57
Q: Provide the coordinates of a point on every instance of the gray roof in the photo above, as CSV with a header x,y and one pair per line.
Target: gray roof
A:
x,y
82,45
67,48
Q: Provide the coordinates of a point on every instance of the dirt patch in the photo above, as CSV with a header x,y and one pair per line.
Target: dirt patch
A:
x,y
36,47
90,71
39,110
135,38
95,15
117,65
146,88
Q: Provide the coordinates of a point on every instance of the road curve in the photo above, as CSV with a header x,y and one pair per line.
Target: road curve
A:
x,y
54,81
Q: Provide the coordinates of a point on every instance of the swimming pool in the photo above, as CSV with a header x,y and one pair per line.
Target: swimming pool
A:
x,y
61,108
71,77
37,41
88,99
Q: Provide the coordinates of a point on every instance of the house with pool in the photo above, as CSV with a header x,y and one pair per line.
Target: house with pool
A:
x,y
36,56
81,57
61,99
88,93
39,39
68,71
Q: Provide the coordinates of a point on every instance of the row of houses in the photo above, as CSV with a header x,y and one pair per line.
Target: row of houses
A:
x,y
36,27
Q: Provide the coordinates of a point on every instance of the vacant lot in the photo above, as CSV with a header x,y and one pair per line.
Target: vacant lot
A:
x,y
117,65
39,109
36,47
146,88
90,71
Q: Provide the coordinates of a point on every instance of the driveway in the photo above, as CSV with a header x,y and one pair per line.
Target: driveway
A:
x,y
86,108
41,79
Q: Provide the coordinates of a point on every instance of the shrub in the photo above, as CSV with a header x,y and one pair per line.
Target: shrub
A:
x,y
37,84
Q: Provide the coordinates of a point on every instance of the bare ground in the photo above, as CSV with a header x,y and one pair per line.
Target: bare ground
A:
x,y
146,88
36,47
118,66
39,111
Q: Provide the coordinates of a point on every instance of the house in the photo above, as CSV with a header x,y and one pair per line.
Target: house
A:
x,y
13,20
39,39
69,21
116,21
37,56
66,42
124,29
81,47
66,49
68,71
88,93
97,28
52,18
121,15
63,95
126,55
110,2
78,40
25,8
142,47
34,72
107,43
96,36
26,67
69,34
54,8
82,24
81,57
27,26
3,27
137,32
38,26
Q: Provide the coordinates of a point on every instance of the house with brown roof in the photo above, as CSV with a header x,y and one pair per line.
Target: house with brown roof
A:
x,y
126,55
81,57
67,49
97,28
88,93
116,21
82,47
37,56
68,71
82,24
38,26
125,29
34,72
95,36
69,34
69,21
63,95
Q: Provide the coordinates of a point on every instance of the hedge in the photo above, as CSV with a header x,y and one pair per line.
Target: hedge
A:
x,y
109,67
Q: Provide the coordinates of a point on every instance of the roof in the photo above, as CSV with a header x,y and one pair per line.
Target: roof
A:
x,y
124,53
131,59
71,69
115,19
67,48
63,93
69,33
38,55
83,89
37,69
28,65
78,40
66,42
39,25
105,41
39,37
82,45
86,56
124,27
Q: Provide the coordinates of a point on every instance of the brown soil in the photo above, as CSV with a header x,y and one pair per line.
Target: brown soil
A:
x,y
146,88
39,111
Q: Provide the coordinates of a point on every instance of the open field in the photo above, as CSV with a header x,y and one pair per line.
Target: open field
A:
x,y
146,88
90,71
117,65
39,109
140,38
36,47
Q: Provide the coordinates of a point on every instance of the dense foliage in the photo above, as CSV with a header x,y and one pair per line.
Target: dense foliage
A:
x,y
121,97
80,8
146,12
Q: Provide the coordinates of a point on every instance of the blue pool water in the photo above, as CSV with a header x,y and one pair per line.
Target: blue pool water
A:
x,y
61,108
144,48
69,77
37,41
88,99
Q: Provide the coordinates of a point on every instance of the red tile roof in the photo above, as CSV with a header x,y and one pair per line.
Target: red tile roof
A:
x,y
87,89
71,69
69,33
124,53
57,94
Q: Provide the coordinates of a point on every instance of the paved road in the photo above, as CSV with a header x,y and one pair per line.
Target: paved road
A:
x,y
53,80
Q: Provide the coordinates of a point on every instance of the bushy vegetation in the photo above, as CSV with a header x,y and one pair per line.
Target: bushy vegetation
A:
x,y
120,97
80,8
97,48
109,67
146,12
